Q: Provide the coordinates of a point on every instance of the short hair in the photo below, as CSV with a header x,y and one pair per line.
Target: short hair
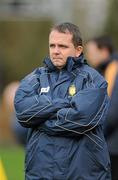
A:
x,y
72,29
103,42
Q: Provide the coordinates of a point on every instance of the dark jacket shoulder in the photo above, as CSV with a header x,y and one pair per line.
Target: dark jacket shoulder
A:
x,y
95,76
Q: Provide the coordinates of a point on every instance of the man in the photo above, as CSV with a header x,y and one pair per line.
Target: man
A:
x,y
100,55
99,51
65,105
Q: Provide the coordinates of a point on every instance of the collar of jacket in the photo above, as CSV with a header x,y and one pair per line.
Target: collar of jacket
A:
x,y
72,63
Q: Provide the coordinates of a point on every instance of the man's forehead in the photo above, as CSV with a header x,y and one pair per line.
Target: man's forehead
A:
x,y
54,34
66,32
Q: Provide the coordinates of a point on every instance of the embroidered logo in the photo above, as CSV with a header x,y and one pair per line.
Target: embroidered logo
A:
x,y
72,90
45,90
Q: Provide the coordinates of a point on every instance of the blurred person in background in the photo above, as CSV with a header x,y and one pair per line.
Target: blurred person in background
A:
x,y
64,104
10,129
111,127
101,55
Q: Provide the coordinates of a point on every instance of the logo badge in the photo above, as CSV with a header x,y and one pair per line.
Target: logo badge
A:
x,y
72,90
45,90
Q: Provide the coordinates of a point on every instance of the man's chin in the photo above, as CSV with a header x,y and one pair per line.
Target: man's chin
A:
x,y
58,66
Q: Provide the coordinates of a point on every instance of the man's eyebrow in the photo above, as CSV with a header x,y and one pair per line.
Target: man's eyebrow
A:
x,y
63,45
51,44
60,45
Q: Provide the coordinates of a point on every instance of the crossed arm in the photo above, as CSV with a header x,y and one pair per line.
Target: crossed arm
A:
x,y
86,110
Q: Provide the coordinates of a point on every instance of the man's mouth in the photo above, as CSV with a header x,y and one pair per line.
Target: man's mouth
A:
x,y
56,58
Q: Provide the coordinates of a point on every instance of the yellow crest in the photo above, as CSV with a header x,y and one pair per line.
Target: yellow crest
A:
x,y
72,90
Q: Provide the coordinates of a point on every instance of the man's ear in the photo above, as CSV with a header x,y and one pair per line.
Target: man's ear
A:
x,y
79,50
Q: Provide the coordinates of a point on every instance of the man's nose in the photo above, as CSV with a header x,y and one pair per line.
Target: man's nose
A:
x,y
56,50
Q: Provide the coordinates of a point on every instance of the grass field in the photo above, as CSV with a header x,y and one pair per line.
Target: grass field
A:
x,y
13,162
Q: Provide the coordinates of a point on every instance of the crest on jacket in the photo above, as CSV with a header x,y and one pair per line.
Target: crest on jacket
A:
x,y
72,90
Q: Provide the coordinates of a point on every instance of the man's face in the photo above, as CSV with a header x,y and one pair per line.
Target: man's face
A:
x,y
96,56
61,47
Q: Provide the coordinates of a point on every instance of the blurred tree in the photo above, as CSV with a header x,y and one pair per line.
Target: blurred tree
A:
x,y
112,22
2,73
23,44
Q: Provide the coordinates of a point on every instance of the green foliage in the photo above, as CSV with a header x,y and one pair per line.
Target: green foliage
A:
x,y
13,162
23,46
112,21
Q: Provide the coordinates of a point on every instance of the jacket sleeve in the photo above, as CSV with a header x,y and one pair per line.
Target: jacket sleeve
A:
x,y
33,108
88,110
